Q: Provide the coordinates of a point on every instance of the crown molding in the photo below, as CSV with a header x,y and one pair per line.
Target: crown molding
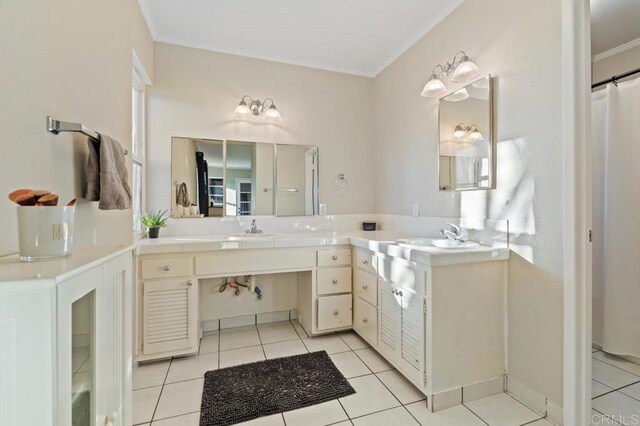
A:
x,y
146,13
616,50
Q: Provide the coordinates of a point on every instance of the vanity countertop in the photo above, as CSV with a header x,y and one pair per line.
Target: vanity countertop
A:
x,y
378,241
53,271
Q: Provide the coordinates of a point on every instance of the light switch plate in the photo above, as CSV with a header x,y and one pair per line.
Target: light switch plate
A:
x,y
415,209
323,209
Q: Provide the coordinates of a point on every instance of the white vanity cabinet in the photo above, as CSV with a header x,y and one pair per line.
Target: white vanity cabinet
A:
x,y
365,295
66,352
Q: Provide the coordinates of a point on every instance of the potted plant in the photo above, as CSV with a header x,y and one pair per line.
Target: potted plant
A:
x,y
153,221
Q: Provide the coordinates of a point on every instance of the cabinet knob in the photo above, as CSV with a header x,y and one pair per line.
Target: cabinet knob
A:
x,y
364,287
364,320
335,281
189,283
166,268
365,262
336,312
399,293
334,257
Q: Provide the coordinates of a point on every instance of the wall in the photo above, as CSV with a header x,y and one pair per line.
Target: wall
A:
x,y
616,64
505,38
73,61
183,171
195,93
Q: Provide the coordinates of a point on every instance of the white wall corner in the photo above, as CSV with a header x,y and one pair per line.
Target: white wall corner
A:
x,y
146,13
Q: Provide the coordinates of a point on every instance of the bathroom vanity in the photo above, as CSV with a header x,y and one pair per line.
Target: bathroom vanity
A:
x,y
436,315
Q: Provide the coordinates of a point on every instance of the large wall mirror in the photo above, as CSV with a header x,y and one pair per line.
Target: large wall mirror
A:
x,y
467,142
215,178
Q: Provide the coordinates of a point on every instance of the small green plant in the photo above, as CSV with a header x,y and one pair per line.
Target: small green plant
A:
x,y
153,219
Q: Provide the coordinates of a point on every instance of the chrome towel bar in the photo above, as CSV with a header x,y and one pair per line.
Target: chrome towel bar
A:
x,y
56,126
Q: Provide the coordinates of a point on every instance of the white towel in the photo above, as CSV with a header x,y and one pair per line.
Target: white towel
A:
x,y
107,176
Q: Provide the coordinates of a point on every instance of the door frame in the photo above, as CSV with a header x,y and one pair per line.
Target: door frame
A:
x,y
576,102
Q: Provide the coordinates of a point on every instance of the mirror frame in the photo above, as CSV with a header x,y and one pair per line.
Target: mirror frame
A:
x,y
492,140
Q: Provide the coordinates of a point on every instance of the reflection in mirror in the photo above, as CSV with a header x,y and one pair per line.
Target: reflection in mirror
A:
x,y
467,159
197,177
249,170
297,180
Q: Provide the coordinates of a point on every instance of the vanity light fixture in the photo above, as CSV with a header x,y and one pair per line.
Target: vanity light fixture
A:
x,y
257,108
460,69
467,132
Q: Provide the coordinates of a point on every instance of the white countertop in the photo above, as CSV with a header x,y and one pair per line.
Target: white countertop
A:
x,y
54,271
379,241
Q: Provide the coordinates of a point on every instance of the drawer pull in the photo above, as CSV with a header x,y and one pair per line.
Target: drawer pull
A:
x,y
334,281
166,268
365,262
364,287
334,257
336,312
364,320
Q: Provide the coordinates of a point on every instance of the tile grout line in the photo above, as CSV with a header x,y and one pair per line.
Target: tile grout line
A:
x,y
160,394
611,365
475,414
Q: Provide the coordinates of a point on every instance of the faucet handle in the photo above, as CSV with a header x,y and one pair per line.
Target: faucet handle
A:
x,y
455,228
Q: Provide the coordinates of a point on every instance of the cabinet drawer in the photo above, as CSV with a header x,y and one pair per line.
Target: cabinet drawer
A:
x,y
167,268
365,285
334,280
365,321
334,257
365,260
334,311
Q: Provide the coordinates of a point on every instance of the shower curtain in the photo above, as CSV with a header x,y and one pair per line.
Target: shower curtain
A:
x,y
616,217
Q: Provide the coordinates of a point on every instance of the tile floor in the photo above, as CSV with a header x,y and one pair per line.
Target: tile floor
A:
x,y
168,393
615,388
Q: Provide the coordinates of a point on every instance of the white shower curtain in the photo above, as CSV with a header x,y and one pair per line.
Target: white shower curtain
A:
x,y
616,217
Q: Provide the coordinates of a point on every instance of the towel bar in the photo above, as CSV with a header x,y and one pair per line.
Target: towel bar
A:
x,y
57,126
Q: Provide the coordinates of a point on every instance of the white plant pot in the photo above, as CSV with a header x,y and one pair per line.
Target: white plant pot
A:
x,y
45,232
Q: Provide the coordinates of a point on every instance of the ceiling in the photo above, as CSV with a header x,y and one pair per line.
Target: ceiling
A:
x,y
354,36
613,23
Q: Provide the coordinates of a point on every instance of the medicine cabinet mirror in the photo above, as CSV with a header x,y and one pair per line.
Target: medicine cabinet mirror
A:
x,y
467,141
216,178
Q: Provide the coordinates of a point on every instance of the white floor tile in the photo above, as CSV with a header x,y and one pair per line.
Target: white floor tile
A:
x,y
541,422
455,416
345,423
316,415
192,367
192,419
273,420
144,403
610,375
303,334
239,338
288,348
373,360
400,387
353,340
622,408
370,396
598,389
277,332
241,356
633,391
616,361
179,398
149,375
396,416
349,364
209,344
331,343
502,410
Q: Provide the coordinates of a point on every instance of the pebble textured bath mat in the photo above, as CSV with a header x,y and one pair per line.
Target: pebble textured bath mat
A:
x,y
245,392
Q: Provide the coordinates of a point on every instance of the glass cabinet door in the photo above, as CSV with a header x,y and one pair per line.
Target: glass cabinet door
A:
x,y
82,350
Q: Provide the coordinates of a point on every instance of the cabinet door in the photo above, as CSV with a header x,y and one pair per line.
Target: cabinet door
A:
x,y
389,319
412,331
170,318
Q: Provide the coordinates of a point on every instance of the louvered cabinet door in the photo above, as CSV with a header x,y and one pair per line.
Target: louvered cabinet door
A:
x,y
389,319
412,332
170,315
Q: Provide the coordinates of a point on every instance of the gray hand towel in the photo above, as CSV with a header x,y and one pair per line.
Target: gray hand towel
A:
x,y
107,176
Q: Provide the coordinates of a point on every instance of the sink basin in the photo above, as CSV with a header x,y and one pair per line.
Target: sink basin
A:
x,y
244,237
422,243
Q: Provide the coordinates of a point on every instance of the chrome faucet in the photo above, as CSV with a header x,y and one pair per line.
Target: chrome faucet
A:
x,y
454,233
254,228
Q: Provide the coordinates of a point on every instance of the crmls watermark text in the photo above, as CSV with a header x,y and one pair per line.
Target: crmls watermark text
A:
x,y
613,419
60,231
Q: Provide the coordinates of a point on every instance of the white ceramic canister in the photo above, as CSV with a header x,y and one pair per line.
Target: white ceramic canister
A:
x,y
45,232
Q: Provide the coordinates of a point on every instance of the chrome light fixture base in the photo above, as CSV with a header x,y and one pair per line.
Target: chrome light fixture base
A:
x,y
256,107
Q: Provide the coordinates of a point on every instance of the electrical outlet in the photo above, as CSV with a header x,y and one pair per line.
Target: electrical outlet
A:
x,y
323,209
415,209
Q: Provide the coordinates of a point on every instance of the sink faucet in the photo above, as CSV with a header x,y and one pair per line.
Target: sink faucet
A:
x,y
454,233
254,228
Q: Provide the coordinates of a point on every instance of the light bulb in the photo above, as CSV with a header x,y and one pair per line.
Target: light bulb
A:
x,y
476,136
434,88
465,71
272,114
460,95
459,131
242,109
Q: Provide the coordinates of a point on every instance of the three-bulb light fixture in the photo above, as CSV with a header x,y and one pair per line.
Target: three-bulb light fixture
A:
x,y
460,69
249,106
463,132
